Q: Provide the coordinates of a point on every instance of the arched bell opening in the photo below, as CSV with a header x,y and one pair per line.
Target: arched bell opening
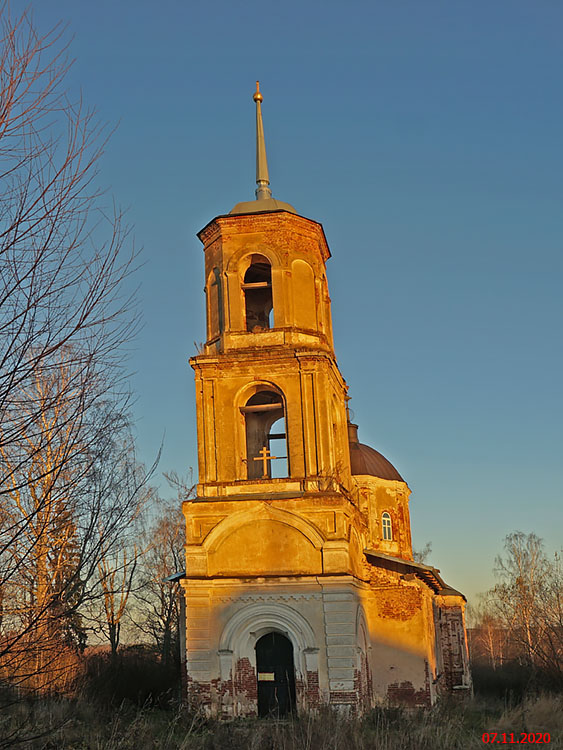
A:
x,y
276,675
266,438
215,321
257,289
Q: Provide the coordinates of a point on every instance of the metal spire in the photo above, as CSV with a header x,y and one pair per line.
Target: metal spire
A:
x,y
264,200
263,191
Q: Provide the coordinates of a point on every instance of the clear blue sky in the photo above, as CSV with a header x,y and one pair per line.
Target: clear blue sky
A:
x,y
427,139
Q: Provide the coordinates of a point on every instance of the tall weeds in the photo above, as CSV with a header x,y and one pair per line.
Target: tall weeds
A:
x,y
82,725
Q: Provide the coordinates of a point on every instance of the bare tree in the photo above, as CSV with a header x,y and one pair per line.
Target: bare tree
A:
x,y
488,637
118,564
521,573
65,443
158,597
64,519
158,600
116,575
422,555
527,604
62,265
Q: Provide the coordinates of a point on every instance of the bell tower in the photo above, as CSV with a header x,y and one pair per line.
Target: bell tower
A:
x,y
300,587
267,377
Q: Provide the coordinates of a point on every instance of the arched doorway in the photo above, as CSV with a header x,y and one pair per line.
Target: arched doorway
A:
x,y
276,675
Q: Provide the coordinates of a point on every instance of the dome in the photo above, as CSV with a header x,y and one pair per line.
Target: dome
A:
x,y
366,460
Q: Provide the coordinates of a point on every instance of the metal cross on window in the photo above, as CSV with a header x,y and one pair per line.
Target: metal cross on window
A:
x,y
264,457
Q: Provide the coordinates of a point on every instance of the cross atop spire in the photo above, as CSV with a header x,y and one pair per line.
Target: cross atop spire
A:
x,y
262,178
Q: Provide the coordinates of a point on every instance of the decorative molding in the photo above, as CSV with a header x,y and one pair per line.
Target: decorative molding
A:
x,y
263,512
248,623
268,597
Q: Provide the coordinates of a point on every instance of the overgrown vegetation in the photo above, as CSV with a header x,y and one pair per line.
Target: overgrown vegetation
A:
x,y
131,701
82,725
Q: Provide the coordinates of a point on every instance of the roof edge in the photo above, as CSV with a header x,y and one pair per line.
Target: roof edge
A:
x,y
326,252
426,573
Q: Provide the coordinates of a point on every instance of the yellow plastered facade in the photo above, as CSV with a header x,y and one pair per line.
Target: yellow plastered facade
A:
x,y
319,558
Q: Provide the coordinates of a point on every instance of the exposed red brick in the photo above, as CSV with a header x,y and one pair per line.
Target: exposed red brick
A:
x,y
312,694
344,698
363,684
399,603
244,682
199,695
453,647
404,693
227,698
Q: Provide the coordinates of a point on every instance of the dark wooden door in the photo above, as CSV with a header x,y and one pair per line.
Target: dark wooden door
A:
x,y
276,675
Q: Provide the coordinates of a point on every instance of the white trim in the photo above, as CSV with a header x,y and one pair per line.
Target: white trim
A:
x,y
249,624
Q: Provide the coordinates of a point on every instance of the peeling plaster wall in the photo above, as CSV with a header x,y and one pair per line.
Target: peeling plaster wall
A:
x,y
402,659
222,661
452,651
354,645
287,554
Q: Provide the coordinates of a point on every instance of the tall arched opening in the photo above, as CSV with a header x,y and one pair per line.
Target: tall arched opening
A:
x,y
257,288
264,414
275,674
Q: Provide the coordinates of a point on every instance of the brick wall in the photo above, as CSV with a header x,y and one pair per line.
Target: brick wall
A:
x,y
245,688
312,695
399,603
453,648
404,693
363,684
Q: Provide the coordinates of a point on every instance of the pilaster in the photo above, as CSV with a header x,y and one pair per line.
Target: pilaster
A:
x,y
340,606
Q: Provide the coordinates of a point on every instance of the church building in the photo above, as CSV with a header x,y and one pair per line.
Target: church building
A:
x,y
300,586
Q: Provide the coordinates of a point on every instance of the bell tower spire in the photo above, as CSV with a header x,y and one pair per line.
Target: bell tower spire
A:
x,y
263,190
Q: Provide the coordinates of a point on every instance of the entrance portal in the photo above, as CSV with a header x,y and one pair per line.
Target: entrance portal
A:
x,y
276,675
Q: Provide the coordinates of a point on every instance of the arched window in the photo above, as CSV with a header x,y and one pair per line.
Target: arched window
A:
x,y
257,288
386,528
264,417
215,304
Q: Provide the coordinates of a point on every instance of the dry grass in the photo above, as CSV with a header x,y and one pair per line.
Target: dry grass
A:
x,y
533,715
81,725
